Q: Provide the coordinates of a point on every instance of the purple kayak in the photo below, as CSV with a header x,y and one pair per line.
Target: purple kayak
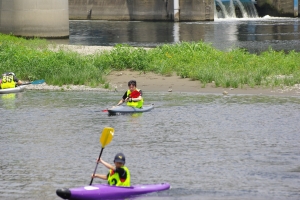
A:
x,y
104,191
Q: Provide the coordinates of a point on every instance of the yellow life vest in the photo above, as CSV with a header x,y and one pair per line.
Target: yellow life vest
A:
x,y
8,82
114,178
137,104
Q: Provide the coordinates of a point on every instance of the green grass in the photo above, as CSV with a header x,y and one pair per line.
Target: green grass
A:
x,y
32,60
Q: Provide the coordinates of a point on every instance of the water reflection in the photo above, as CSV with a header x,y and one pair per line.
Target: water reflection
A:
x,y
253,34
8,100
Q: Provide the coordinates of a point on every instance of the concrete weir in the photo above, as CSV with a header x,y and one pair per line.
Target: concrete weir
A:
x,y
142,10
35,18
282,8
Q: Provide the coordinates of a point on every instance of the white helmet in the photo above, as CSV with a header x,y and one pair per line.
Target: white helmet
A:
x,y
11,73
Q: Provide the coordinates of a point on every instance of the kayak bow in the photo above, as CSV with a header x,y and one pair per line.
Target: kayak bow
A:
x,y
12,90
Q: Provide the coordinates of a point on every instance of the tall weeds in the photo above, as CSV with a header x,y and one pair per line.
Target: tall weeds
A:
x,y
31,59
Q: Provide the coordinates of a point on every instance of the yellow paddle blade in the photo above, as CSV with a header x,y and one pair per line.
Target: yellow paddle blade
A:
x,y
106,136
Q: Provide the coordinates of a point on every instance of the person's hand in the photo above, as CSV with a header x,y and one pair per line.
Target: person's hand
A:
x,y
99,160
93,176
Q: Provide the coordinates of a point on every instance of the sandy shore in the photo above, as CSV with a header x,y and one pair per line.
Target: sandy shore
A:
x,y
45,86
150,82
156,83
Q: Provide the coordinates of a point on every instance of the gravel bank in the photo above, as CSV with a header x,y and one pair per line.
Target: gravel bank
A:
x,y
44,86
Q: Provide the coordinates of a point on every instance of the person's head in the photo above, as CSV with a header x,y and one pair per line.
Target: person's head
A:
x,y
119,160
132,85
11,73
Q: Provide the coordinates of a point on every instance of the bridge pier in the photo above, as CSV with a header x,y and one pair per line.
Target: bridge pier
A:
x,y
35,18
176,11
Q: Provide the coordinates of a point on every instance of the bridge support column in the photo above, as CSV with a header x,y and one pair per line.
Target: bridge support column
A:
x,y
35,18
176,11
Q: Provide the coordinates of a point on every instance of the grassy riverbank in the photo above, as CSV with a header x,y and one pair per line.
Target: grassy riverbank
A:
x,y
32,59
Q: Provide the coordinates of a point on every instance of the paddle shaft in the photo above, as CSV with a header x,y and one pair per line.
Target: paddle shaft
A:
x,y
113,106
136,93
96,166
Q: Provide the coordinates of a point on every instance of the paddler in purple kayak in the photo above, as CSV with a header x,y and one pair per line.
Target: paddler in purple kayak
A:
x,y
118,175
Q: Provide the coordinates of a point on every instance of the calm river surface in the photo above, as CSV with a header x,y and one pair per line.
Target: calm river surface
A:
x,y
206,146
256,35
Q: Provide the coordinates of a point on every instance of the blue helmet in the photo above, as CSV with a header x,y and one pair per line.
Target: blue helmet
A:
x,y
120,158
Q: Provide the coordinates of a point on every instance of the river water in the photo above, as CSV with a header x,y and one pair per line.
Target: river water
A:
x,y
206,146
255,35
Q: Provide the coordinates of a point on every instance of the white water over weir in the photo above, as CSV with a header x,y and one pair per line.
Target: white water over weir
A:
x,y
235,9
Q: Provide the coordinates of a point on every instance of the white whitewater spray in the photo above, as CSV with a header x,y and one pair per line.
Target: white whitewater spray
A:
x,y
242,9
223,8
247,8
253,10
232,9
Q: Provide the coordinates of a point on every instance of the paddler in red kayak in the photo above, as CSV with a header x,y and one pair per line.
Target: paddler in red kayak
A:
x,y
132,96
118,175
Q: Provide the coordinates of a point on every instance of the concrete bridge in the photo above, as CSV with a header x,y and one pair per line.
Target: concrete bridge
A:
x,y
35,18
50,18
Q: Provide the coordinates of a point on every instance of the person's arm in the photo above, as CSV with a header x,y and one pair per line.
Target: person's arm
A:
x,y
135,99
102,176
123,99
17,81
109,166
120,102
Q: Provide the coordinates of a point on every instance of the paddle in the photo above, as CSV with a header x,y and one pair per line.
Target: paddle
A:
x,y
112,107
106,110
105,139
35,82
